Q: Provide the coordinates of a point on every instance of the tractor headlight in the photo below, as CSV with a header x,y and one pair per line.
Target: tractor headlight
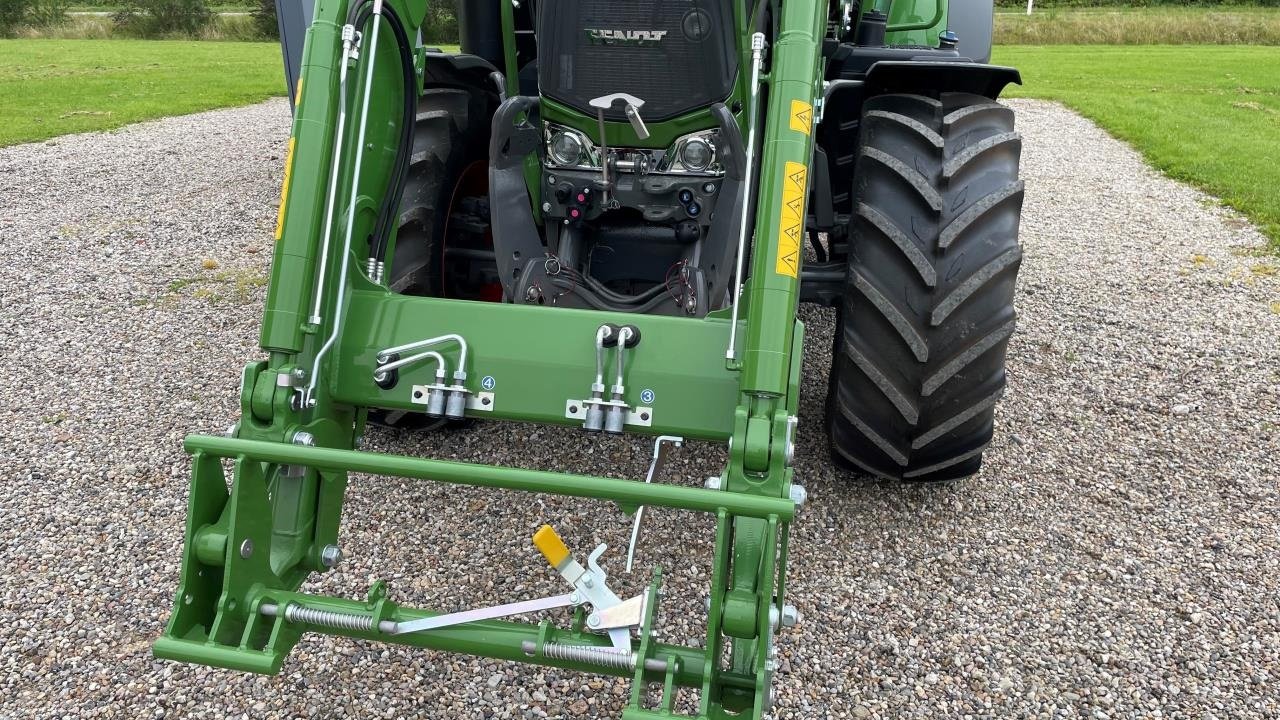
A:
x,y
565,149
568,148
694,153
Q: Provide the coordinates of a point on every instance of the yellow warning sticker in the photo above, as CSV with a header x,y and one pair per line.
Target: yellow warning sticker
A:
x,y
791,229
801,116
284,190
297,96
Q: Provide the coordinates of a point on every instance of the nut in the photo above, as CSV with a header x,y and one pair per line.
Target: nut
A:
x,y
330,556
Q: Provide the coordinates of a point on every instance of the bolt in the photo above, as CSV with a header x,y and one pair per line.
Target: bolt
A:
x,y
299,374
593,620
798,494
791,617
546,207
246,548
302,437
330,556
712,483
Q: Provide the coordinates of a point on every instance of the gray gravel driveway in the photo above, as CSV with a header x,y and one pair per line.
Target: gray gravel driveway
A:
x,y
1117,557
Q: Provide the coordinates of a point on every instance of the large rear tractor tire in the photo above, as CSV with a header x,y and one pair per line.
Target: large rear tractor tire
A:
x,y
450,140
919,352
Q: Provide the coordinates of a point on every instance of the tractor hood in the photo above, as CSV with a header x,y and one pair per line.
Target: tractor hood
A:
x,y
676,55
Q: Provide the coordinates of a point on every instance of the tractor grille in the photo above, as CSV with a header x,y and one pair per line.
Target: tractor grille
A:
x,y
676,55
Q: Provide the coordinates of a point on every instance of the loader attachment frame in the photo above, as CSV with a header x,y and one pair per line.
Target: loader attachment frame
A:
x,y
266,501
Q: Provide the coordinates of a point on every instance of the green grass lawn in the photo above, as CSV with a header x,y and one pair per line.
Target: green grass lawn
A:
x,y
1207,115
54,87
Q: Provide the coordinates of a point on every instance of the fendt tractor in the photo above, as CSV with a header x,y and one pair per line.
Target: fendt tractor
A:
x,y
603,214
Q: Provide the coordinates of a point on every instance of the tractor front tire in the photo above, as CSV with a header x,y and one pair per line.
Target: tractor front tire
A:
x,y
919,351
451,132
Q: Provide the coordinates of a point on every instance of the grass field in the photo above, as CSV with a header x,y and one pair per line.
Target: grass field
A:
x,y
1209,116
1225,25
54,87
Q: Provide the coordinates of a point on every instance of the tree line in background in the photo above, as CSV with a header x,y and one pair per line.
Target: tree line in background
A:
x,y
194,18
169,18
30,12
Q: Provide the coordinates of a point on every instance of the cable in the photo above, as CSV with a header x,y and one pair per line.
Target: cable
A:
x,y
358,15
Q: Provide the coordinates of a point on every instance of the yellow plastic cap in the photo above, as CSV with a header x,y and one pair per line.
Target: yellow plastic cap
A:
x,y
550,545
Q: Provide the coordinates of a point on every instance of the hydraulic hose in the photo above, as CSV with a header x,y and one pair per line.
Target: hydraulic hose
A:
x,y
359,14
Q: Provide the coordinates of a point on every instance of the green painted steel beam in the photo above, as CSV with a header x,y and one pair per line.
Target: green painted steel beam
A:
x,y
539,358
492,476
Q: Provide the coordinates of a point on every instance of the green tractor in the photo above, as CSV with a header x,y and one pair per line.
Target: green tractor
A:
x,y
603,214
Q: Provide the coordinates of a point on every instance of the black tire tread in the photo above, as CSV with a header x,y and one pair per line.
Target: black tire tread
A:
x,y
918,359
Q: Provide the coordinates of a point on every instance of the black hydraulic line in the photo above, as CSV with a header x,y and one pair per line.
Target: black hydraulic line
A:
x,y
760,15
359,14
587,294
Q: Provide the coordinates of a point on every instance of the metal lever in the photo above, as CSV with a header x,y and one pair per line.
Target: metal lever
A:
x,y
631,105
660,447
489,613
609,613
637,122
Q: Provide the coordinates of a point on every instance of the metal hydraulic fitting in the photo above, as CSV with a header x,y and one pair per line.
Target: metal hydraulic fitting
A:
x,y
436,394
435,400
595,412
594,422
616,416
456,406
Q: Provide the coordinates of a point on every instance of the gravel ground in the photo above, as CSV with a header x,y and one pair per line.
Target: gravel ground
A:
x,y
1117,557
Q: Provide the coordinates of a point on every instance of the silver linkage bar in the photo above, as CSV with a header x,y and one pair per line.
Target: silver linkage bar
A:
x,y
660,447
308,397
361,622
757,60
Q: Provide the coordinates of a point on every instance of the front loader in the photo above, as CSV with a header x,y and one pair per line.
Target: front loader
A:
x,y
603,214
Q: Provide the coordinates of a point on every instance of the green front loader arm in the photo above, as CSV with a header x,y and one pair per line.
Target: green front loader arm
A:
x,y
252,538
